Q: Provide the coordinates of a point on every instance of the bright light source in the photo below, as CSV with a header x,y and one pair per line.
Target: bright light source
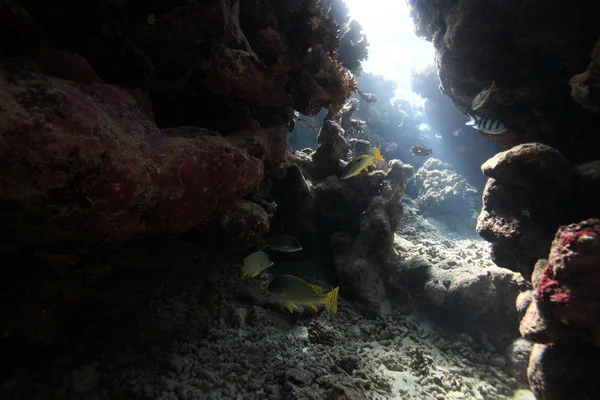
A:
x,y
393,47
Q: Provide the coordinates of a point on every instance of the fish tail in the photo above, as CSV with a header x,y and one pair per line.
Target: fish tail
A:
x,y
494,88
330,300
472,121
242,273
431,150
360,92
377,154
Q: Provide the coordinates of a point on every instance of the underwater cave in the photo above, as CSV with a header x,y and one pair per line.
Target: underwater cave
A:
x,y
299,199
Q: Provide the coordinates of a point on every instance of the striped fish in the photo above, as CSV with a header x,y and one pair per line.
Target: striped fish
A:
x,y
490,126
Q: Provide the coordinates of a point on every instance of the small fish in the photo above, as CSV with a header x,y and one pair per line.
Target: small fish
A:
x,y
368,97
207,300
283,243
421,150
255,263
296,291
309,124
483,96
490,126
355,166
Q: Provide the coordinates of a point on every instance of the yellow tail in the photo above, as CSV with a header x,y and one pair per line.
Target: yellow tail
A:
x,y
494,88
330,300
377,154
242,274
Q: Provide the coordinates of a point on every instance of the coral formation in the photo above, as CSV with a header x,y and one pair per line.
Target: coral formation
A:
x,y
532,189
532,51
440,192
562,319
122,119
357,217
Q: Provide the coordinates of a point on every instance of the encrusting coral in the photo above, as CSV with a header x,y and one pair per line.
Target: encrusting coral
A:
x,y
562,318
130,118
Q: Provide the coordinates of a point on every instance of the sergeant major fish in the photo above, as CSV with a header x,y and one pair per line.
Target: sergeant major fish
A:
x,y
483,96
296,291
355,166
490,126
283,243
255,263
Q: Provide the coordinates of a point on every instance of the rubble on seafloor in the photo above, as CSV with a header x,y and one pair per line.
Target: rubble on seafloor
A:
x,y
159,346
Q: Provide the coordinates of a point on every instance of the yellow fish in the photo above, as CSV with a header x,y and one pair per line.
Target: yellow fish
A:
x,y
255,263
283,243
483,96
296,291
354,167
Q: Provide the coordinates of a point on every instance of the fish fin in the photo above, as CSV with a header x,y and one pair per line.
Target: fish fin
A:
x,y
431,150
316,288
330,300
472,121
494,88
254,274
312,307
360,92
377,154
242,273
262,244
364,156
291,306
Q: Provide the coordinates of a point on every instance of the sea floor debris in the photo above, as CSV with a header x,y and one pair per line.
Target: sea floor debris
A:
x,y
152,342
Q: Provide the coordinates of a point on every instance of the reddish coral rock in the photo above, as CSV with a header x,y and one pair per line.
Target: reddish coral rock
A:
x,y
108,168
68,65
235,73
267,45
238,228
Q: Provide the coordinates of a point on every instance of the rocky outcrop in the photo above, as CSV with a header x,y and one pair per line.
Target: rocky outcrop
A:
x,y
532,189
121,119
532,50
354,219
563,317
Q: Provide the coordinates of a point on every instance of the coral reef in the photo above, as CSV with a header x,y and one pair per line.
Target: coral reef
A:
x,y
357,217
532,51
532,190
562,318
122,119
441,193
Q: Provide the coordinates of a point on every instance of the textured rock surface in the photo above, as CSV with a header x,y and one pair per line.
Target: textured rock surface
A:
x,y
531,50
128,119
531,191
455,279
356,217
563,316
